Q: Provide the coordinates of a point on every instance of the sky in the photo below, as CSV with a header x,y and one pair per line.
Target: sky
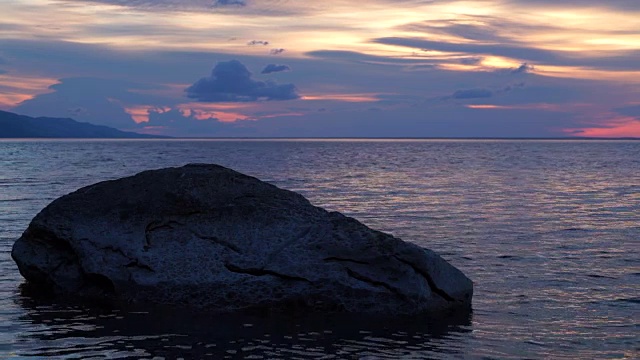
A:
x,y
336,68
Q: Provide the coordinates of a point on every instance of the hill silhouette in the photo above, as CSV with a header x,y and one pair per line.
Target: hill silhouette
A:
x,y
21,126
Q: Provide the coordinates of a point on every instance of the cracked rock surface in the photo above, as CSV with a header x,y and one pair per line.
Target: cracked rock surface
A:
x,y
207,236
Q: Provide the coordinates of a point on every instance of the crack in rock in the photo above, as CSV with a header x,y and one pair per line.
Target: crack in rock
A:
x,y
432,284
138,264
370,281
155,225
133,262
263,272
218,241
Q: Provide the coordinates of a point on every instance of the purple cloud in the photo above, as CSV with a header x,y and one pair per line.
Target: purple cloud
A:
x,y
272,68
231,81
257,42
523,69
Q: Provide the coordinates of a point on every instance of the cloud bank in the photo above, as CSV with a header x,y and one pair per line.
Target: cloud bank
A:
x,y
231,81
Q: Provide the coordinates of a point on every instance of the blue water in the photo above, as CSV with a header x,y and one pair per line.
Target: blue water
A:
x,y
549,232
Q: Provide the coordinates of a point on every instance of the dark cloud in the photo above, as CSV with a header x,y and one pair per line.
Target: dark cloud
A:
x,y
272,68
231,81
512,87
472,94
257,42
627,5
421,67
77,111
471,60
523,69
229,3
277,51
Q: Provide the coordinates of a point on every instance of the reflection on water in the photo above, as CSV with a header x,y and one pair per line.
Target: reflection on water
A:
x,y
79,331
547,230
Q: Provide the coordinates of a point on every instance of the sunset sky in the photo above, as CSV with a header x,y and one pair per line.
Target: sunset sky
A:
x,y
336,68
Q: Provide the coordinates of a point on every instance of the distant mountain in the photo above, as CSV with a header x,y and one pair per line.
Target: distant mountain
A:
x,y
21,126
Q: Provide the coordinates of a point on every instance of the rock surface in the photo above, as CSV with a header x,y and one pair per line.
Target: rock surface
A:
x,y
207,236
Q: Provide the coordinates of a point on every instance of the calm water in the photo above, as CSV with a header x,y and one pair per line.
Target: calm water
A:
x,y
549,231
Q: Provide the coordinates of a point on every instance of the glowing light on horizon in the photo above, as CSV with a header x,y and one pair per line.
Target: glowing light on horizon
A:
x,y
618,126
342,97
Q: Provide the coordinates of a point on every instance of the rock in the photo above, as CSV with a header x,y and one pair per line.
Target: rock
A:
x,y
207,236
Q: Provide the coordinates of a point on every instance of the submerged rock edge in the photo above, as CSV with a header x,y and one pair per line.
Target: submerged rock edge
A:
x,y
207,236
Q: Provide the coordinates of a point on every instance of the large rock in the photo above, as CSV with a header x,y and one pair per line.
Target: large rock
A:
x,y
207,236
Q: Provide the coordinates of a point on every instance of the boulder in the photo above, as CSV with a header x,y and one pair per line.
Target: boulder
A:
x,y
209,237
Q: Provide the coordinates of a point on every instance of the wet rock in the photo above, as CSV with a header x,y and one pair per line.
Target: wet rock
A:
x,y
207,236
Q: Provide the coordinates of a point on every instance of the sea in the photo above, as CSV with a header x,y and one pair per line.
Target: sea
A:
x,y
548,230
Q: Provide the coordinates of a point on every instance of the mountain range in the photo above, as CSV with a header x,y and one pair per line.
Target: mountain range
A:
x,y
20,126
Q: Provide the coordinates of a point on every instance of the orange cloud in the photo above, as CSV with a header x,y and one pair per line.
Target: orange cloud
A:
x,y
220,111
22,88
9,100
200,111
537,106
140,113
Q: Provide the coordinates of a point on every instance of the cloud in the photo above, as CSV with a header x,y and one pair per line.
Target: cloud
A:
x,y
512,51
633,110
523,69
621,60
471,60
277,51
472,94
421,67
231,81
257,42
454,28
3,71
272,68
178,5
628,5
94,100
217,3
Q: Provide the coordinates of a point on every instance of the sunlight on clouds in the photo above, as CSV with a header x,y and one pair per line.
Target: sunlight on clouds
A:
x,y
563,42
11,99
573,72
342,97
140,113
616,126
15,89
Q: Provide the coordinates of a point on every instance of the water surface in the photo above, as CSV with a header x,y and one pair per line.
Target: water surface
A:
x,y
548,231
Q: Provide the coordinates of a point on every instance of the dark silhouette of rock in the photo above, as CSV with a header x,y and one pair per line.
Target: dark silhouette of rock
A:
x,y
21,126
207,236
